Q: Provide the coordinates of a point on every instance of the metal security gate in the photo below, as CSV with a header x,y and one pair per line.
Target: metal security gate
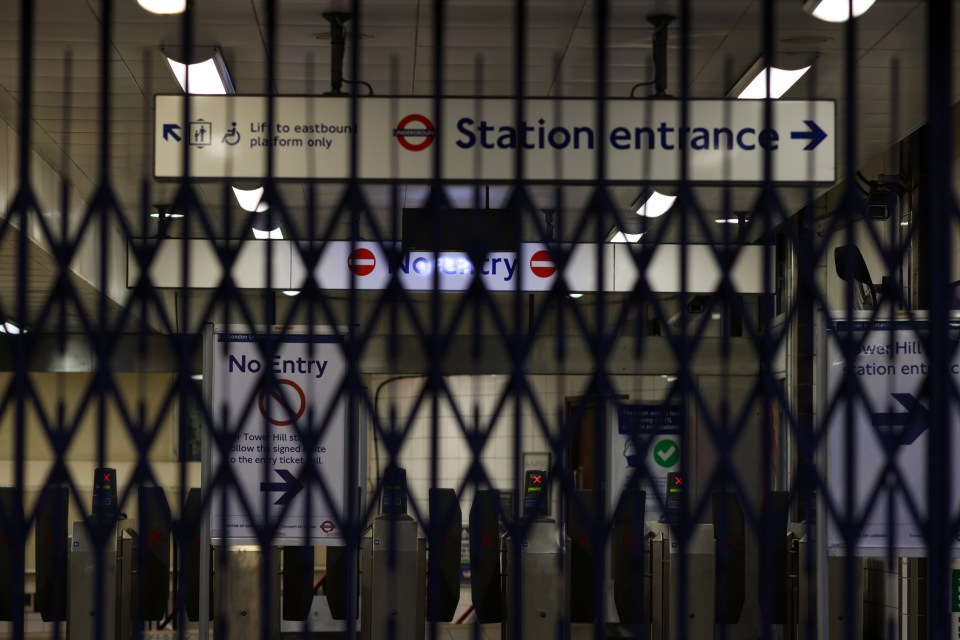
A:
x,y
478,318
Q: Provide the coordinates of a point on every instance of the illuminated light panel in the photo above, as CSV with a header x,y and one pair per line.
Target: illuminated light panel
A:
x,y
272,234
728,220
11,328
166,214
621,237
205,78
164,7
291,292
656,205
251,199
780,82
837,10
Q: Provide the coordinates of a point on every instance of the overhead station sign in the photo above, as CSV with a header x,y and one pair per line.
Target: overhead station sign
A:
x,y
371,266
891,424
557,140
276,422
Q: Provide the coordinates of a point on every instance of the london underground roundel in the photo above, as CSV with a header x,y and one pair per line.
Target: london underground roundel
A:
x,y
362,261
415,138
541,264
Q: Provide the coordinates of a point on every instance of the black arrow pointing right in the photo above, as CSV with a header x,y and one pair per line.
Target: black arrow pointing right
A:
x,y
291,486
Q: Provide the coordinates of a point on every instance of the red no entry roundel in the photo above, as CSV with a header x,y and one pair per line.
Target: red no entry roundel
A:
x,y
362,261
280,411
541,264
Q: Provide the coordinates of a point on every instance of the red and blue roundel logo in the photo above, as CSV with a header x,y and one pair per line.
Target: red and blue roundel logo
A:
x,y
424,134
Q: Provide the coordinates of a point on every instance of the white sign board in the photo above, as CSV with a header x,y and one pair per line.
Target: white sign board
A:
x,y
367,266
647,437
274,419
557,140
890,422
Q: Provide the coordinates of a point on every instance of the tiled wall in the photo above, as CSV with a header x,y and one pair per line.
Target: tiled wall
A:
x,y
477,399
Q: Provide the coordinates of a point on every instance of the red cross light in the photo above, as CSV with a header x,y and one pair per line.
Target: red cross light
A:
x,y
153,537
678,481
536,479
487,540
106,477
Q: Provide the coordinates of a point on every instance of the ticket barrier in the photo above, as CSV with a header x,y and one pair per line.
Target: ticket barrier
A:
x,y
713,590
395,597
671,592
118,576
539,565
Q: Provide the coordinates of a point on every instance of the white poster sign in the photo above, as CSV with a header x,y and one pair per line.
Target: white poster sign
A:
x,y
890,421
557,140
647,437
287,425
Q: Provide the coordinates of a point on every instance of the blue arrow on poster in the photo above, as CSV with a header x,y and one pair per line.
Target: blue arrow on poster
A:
x,y
903,428
652,419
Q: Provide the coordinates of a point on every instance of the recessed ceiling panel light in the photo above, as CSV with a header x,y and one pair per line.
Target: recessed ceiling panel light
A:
x,y
166,211
291,292
204,77
11,328
837,10
271,234
164,7
620,237
728,220
780,81
251,199
574,295
266,226
654,206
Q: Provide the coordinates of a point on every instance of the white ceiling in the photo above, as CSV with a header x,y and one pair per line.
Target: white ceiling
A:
x,y
397,56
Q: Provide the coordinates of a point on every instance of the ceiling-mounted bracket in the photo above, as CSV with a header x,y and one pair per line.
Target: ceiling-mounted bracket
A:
x,y
338,39
660,24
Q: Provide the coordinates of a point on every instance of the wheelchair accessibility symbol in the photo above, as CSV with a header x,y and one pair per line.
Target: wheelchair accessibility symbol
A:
x,y
232,136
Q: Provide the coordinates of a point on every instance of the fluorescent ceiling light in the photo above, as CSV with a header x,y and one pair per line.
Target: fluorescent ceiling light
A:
x,y
166,210
251,199
266,226
197,376
837,10
617,236
164,7
204,77
11,328
272,234
655,206
574,295
729,220
780,81
291,292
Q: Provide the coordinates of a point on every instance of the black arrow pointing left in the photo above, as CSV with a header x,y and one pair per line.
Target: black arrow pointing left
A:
x,y
290,486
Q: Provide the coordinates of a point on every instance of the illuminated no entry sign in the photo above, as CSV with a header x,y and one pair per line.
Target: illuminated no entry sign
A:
x,y
557,140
